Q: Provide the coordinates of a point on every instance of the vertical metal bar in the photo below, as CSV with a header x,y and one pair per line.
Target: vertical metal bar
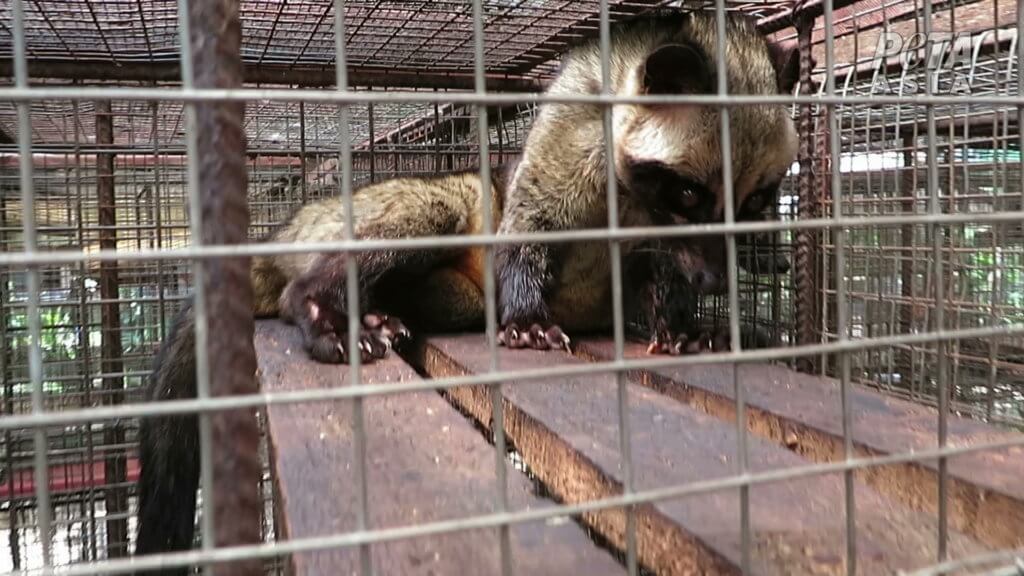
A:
x,y
955,232
83,315
302,152
821,261
158,220
501,141
352,286
490,294
842,306
437,140
1020,92
215,28
625,442
85,436
733,280
906,193
13,542
805,242
910,246
35,357
1020,133
399,165
110,313
198,274
937,234
996,271
373,138
450,157
897,178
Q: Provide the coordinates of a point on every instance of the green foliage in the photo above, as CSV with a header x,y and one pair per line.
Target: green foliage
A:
x,y
67,328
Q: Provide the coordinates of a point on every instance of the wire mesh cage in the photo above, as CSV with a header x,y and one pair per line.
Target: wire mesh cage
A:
x,y
901,221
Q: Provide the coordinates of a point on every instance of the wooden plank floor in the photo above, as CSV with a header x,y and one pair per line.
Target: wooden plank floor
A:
x,y
425,462
804,413
567,431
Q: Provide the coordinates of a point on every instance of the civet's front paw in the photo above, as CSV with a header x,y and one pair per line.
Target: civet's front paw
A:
x,y
537,337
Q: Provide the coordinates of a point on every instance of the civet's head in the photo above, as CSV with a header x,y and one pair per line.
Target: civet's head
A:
x,y
670,156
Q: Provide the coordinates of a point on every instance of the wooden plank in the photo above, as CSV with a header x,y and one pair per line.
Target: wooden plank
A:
x,y
425,462
567,431
804,413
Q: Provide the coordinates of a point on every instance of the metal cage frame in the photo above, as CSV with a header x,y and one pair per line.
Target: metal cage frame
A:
x,y
212,400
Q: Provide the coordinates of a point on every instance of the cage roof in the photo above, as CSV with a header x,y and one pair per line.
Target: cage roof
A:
x,y
425,36
423,44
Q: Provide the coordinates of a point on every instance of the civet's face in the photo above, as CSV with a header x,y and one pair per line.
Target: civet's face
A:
x,y
670,156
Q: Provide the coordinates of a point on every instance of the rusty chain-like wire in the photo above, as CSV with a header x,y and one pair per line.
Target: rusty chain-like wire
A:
x,y
804,246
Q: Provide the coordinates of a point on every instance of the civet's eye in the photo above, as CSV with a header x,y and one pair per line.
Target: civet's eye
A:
x,y
755,203
689,198
759,200
671,193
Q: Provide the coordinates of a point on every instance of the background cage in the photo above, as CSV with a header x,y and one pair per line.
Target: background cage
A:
x,y
112,174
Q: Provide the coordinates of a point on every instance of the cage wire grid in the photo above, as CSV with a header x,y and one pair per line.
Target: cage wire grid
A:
x,y
896,179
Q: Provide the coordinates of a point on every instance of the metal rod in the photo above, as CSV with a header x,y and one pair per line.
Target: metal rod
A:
x,y
621,234
110,312
173,407
937,235
300,545
199,302
301,74
615,252
805,242
41,469
190,94
219,146
302,152
490,291
351,286
842,304
733,280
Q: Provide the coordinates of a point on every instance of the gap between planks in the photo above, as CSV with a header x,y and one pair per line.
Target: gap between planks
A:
x,y
803,412
566,431
425,463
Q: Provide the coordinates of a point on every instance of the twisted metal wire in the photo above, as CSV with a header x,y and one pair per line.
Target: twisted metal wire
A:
x,y
805,241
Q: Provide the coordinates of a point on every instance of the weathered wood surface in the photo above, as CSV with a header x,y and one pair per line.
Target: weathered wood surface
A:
x,y
425,462
567,431
804,412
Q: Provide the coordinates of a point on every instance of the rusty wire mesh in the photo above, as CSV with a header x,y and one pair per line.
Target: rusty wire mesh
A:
x,y
292,159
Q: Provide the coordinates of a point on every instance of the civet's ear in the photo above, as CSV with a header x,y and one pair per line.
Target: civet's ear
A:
x,y
675,69
785,58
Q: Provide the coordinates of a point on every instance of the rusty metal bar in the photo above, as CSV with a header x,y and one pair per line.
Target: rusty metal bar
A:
x,y
303,76
111,352
215,35
810,9
806,241
937,235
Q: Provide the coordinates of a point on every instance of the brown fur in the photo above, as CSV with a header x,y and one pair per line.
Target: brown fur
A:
x,y
558,185
398,208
